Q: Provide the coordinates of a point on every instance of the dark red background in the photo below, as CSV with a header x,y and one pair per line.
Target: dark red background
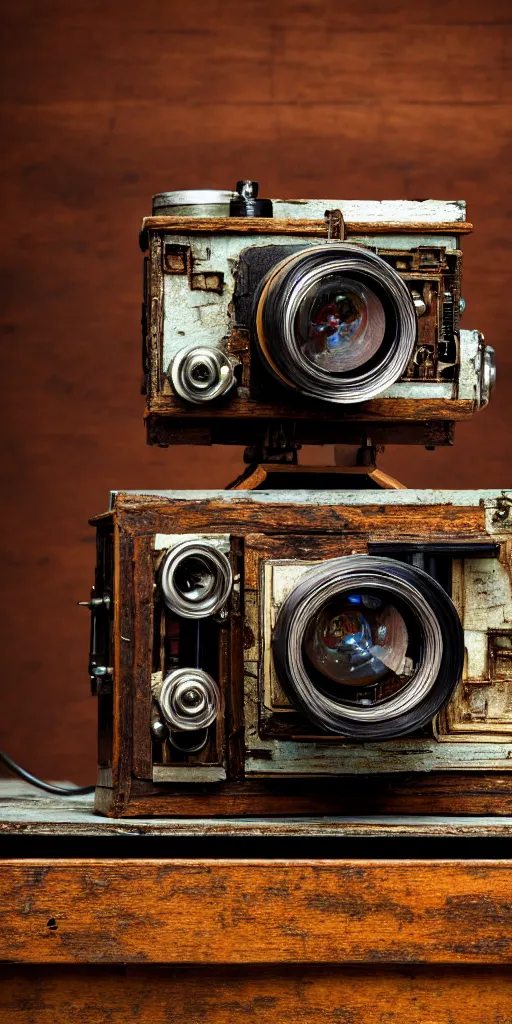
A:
x,y
105,103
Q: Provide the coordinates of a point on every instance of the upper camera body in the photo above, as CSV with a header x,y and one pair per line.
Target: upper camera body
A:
x,y
323,316
266,652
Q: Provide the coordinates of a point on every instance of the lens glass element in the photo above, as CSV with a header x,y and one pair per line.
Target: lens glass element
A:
x,y
340,324
361,639
195,578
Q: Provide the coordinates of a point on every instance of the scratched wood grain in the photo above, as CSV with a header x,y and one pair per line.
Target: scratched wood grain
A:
x,y
156,514
260,912
396,409
300,995
277,226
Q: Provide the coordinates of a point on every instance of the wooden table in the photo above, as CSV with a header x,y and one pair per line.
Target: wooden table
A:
x,y
318,921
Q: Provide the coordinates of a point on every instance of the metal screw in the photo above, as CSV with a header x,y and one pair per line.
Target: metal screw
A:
x,y
96,602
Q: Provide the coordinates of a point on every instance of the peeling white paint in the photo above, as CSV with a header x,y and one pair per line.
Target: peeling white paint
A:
x,y
405,496
385,211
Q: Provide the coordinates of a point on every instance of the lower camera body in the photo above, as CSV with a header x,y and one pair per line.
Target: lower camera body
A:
x,y
310,321
293,652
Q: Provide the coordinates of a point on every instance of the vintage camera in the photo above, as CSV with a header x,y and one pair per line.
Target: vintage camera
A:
x,y
327,318
274,652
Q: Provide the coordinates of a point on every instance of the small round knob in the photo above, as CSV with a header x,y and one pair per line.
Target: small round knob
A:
x,y
246,202
247,189
159,730
201,374
189,699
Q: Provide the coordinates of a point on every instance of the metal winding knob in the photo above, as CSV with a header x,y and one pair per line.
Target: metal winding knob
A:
x,y
486,369
189,699
201,373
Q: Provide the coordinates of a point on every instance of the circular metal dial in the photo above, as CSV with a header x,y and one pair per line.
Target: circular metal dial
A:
x,y
200,373
189,699
196,579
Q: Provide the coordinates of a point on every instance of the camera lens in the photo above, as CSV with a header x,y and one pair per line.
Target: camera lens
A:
x,y
196,579
368,647
335,322
340,324
359,640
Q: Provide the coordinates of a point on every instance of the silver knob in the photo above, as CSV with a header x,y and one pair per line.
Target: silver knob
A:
x,y
486,370
419,303
196,579
189,699
200,374
159,730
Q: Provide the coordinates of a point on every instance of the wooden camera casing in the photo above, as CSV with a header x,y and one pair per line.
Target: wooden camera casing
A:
x,y
261,755
204,277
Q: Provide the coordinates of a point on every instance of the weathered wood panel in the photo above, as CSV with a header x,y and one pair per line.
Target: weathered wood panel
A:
x,y
300,995
413,410
25,811
141,645
165,911
241,514
296,226
413,793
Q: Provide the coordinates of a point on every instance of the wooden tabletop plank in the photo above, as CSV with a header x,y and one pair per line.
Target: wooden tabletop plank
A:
x,y
280,995
256,911
26,811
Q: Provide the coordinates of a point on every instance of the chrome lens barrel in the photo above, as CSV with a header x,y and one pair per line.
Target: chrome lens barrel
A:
x,y
354,642
336,322
195,579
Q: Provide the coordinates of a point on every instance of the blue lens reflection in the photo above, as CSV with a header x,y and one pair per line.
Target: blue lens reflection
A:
x,y
358,640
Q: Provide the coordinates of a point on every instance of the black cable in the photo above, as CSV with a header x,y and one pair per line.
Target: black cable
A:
x,y
48,788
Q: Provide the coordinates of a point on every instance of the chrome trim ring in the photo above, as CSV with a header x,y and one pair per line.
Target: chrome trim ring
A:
x,y
214,579
189,699
200,373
